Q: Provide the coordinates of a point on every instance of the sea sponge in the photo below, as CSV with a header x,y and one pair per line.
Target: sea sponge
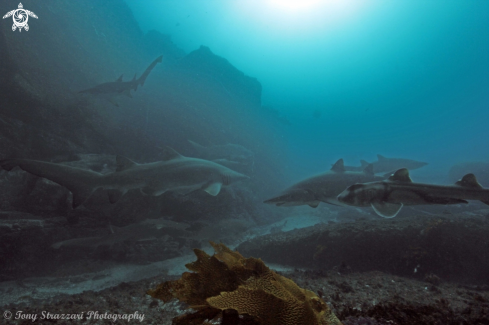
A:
x,y
228,281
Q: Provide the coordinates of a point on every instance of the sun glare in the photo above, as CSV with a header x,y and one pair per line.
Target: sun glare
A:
x,y
294,5
297,16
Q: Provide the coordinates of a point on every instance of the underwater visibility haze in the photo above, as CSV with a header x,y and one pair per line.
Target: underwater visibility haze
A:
x,y
395,78
333,154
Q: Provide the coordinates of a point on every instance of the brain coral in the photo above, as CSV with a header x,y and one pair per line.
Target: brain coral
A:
x,y
228,281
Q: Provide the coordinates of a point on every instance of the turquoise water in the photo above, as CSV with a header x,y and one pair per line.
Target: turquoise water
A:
x,y
400,78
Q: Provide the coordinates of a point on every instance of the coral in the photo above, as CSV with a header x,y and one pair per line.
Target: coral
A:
x,y
228,281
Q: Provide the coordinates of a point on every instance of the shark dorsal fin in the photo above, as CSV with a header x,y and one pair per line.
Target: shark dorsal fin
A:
x,y
123,163
469,180
195,144
369,169
170,153
134,79
119,79
339,166
380,157
401,175
364,163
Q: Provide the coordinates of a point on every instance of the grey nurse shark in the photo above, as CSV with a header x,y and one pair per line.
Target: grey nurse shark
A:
x,y
230,151
123,87
389,196
388,165
150,229
324,187
174,173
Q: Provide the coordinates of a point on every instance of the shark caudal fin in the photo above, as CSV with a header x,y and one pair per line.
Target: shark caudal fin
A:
x,y
82,183
470,181
146,73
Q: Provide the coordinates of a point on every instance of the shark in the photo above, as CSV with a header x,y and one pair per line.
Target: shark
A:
x,y
388,197
175,173
122,87
324,187
388,165
230,152
143,231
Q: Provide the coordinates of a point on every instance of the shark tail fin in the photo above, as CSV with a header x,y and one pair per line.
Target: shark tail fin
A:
x,y
82,183
146,72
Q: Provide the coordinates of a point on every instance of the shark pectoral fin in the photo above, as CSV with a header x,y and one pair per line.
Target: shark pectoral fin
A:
x,y
213,189
123,163
115,195
313,204
386,210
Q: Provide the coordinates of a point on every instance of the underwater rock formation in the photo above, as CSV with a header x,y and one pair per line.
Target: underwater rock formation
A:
x,y
227,281
403,246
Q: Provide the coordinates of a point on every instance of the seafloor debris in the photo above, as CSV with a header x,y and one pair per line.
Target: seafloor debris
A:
x,y
227,281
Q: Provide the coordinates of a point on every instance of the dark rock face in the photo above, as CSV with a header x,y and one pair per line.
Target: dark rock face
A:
x,y
453,248
217,69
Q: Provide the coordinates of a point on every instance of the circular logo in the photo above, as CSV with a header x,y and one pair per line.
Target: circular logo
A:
x,y
7,314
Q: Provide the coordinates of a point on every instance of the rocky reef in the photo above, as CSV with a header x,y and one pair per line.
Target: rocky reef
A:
x,y
452,247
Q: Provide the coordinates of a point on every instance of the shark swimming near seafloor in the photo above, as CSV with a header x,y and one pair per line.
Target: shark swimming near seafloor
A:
x,y
388,165
175,173
122,87
324,187
389,196
149,229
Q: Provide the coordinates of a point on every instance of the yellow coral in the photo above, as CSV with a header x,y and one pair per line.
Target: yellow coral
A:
x,y
227,280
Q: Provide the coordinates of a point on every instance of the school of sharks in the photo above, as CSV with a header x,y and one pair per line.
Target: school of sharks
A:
x,y
384,185
342,185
